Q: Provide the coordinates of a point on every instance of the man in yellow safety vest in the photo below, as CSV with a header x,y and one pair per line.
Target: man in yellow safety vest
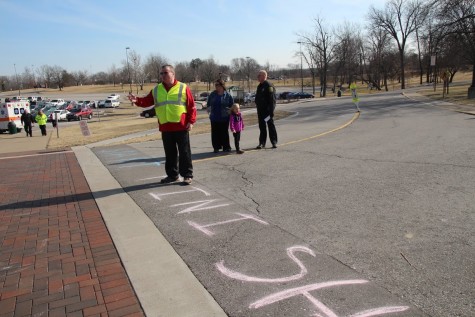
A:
x,y
176,113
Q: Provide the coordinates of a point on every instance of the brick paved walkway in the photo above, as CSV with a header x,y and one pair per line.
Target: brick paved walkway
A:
x,y
56,255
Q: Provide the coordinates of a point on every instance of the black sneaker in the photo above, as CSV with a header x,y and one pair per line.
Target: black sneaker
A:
x,y
260,146
168,180
187,181
274,145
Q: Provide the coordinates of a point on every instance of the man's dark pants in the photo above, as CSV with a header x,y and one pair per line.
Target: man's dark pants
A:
x,y
263,130
28,129
177,147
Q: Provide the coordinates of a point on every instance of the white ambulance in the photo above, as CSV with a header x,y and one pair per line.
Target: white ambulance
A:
x,y
11,112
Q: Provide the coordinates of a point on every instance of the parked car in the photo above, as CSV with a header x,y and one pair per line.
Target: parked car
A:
x,y
148,113
57,102
113,97
49,111
109,103
249,97
33,105
285,95
79,113
203,96
303,95
35,98
101,104
62,115
88,103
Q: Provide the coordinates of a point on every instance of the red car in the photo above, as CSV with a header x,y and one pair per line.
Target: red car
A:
x,y
79,113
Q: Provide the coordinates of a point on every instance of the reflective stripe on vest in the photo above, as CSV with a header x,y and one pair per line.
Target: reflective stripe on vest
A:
x,y
169,106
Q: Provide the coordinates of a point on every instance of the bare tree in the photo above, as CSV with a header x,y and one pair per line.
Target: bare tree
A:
x,y
379,50
457,20
79,77
184,72
45,75
312,61
195,66
400,19
320,44
209,71
153,66
58,76
137,70
113,74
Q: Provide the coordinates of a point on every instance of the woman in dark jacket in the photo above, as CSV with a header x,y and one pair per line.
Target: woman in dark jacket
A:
x,y
218,105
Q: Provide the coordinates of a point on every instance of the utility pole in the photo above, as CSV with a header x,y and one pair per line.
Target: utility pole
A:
x,y
128,69
301,65
16,75
248,74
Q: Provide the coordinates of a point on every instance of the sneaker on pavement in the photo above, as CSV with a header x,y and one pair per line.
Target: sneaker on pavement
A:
x,y
187,180
260,146
274,145
239,151
168,180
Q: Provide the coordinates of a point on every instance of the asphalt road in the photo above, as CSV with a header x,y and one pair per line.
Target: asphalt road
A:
x,y
373,219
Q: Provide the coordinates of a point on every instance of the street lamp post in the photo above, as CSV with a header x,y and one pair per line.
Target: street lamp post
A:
x,y
301,65
135,75
128,69
16,75
248,74
34,77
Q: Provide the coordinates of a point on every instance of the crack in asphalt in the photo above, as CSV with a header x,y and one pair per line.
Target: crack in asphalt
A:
x,y
242,189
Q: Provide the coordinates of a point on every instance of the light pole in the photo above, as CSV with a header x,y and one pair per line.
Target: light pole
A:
x,y
135,75
248,74
34,77
301,66
16,75
128,69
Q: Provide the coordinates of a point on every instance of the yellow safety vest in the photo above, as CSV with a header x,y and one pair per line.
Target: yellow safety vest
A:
x,y
41,119
354,94
170,105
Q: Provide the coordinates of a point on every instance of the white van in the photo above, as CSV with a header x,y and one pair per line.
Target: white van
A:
x,y
11,112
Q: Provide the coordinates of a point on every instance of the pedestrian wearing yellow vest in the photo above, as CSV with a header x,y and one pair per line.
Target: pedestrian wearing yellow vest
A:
x,y
176,113
41,120
354,95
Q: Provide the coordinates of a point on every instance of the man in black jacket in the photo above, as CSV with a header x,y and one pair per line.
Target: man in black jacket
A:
x,y
27,121
265,104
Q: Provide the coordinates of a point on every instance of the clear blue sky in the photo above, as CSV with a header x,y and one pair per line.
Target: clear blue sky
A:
x,y
92,35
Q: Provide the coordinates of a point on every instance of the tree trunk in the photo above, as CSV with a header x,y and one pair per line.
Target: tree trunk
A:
x,y
403,77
